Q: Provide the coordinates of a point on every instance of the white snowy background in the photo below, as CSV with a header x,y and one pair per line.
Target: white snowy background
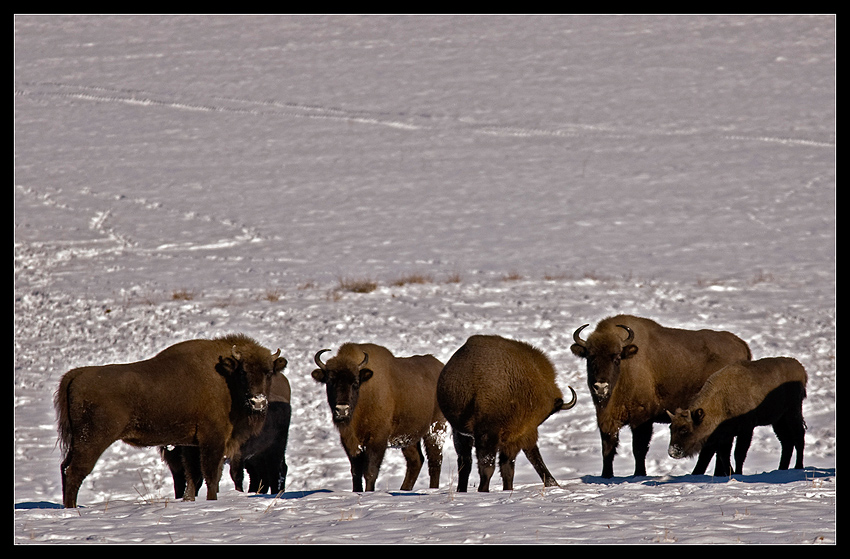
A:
x,y
191,176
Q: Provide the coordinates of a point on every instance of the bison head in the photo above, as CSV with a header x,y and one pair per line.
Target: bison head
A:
x,y
603,351
684,432
249,376
342,379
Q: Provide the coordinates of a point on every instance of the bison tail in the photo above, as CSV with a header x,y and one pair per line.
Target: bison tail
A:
x,y
63,419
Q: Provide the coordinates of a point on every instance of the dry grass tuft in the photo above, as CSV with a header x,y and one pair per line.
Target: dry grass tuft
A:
x,y
183,295
357,285
412,279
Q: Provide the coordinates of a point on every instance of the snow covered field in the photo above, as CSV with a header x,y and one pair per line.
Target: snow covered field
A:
x,y
183,177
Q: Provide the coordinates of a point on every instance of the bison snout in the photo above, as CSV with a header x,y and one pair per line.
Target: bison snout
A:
x,y
259,402
675,451
601,389
342,412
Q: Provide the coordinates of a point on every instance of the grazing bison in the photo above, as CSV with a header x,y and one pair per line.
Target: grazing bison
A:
x,y
205,393
379,401
263,455
495,392
738,398
638,369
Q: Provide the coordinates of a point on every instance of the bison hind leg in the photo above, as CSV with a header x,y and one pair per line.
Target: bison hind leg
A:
x,y
463,448
536,459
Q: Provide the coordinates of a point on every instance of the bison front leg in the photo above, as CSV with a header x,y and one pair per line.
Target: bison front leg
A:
x,y
374,457
641,435
434,455
212,464
413,456
190,457
610,441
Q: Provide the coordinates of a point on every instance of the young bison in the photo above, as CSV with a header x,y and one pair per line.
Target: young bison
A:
x,y
495,392
205,393
377,401
734,401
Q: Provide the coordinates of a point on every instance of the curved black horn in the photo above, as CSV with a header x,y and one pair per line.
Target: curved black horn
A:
x,y
631,334
365,360
572,402
318,358
276,354
577,339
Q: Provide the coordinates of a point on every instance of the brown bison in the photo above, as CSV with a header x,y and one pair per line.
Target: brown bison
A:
x,y
638,369
263,455
495,392
377,401
734,401
205,393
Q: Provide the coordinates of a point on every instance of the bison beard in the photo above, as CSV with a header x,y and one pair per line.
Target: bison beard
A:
x,y
145,404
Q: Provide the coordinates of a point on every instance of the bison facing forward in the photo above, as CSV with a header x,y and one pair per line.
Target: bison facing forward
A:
x,y
638,369
735,400
205,393
377,401
263,455
495,392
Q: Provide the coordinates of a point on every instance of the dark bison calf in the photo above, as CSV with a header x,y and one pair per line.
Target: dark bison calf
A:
x,y
205,393
735,400
263,455
377,401
495,392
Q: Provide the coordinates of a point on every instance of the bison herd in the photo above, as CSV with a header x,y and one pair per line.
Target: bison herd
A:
x,y
206,401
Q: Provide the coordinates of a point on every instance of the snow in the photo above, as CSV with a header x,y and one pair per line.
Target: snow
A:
x,y
189,176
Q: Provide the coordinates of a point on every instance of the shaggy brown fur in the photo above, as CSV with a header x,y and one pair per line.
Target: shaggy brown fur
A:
x,y
379,400
495,392
263,454
637,369
205,393
738,398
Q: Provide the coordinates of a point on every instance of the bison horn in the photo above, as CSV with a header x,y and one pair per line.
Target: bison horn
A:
x,y
276,354
631,334
318,359
572,402
577,338
236,355
365,360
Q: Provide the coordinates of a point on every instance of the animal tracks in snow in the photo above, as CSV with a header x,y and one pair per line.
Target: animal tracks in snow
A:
x,y
394,119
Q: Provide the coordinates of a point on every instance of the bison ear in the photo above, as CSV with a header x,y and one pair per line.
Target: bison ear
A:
x,y
320,376
279,364
629,351
226,366
579,350
365,374
697,416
